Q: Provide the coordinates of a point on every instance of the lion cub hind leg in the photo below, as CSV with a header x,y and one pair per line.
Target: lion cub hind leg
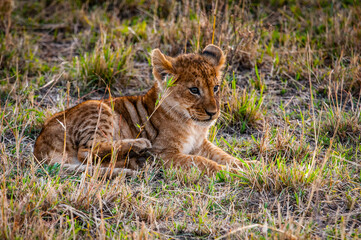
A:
x,y
128,152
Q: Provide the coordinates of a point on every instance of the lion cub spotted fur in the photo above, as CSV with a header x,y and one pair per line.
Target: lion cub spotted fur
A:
x,y
175,115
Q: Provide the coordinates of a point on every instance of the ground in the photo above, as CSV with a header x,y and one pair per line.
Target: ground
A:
x,y
291,110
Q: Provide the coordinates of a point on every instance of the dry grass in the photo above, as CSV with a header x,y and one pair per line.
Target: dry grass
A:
x,y
291,110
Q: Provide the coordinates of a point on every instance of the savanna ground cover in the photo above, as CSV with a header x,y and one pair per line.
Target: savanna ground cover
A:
x,y
291,110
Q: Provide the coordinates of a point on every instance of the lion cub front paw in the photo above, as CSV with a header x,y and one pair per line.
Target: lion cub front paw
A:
x,y
141,145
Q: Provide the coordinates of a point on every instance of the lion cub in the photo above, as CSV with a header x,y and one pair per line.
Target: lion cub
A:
x,y
171,120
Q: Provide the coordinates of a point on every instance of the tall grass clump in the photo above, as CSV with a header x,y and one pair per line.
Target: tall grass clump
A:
x,y
340,118
105,66
241,109
281,143
345,126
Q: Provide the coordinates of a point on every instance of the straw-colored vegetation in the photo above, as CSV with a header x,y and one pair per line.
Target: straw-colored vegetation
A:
x,y
291,110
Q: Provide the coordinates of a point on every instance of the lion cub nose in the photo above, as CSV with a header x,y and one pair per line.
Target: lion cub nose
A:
x,y
211,114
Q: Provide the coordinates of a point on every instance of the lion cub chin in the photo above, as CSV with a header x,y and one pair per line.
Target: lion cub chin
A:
x,y
171,120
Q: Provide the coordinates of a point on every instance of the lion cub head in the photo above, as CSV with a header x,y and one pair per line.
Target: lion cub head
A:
x,y
189,84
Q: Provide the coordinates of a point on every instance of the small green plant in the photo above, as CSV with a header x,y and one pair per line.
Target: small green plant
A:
x,y
48,170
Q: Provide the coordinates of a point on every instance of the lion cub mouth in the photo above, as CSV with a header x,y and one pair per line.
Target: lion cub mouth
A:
x,y
210,119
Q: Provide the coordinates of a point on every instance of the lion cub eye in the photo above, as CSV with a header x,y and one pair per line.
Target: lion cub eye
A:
x,y
216,88
194,90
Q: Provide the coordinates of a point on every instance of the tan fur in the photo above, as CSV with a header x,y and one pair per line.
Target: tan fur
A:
x,y
174,126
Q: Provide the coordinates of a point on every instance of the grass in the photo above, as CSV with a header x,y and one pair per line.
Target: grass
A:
x,y
240,108
103,68
290,109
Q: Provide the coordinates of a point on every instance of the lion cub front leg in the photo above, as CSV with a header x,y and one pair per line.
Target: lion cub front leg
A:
x,y
211,151
136,148
187,161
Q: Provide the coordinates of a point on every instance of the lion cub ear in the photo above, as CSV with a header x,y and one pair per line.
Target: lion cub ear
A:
x,y
162,65
214,55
